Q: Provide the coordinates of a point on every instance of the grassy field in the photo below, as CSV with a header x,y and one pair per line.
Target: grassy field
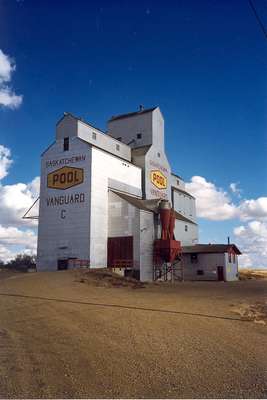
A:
x,y
72,334
252,274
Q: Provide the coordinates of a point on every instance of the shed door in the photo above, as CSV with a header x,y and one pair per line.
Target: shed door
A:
x,y
220,273
120,251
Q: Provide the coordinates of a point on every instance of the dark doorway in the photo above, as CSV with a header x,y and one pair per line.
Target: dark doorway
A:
x,y
62,264
220,274
120,251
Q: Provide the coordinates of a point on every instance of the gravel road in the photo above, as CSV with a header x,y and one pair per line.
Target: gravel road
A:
x,y
60,338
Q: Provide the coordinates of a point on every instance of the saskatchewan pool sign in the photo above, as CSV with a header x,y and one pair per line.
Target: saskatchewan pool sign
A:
x,y
65,178
158,179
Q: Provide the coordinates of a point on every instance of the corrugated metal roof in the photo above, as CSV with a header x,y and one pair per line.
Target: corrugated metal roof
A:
x,y
177,176
183,218
148,205
182,191
140,151
211,248
131,114
66,114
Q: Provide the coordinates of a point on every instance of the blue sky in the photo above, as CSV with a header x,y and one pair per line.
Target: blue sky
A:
x,y
203,62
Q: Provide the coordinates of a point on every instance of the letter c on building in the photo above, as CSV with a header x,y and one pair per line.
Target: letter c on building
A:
x,y
63,214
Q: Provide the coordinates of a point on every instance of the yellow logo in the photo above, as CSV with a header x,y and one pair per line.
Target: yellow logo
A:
x,y
65,178
158,179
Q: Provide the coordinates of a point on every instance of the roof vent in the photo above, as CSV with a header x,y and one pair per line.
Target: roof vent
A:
x,y
141,107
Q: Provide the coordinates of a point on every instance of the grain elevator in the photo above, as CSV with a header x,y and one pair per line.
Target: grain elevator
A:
x,y
101,195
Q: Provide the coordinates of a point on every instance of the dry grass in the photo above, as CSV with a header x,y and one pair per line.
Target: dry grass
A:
x,y
105,278
256,312
245,274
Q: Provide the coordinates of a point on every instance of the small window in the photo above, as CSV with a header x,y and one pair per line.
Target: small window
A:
x,y
117,147
66,144
94,135
200,272
177,182
186,228
194,258
229,257
234,258
139,135
158,154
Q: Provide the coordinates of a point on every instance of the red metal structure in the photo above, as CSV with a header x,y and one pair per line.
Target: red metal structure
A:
x,y
167,252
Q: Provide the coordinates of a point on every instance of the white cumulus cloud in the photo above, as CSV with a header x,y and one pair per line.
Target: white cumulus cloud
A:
x,y
15,200
252,240
211,202
7,66
14,236
7,96
5,161
254,208
6,254
235,189
215,204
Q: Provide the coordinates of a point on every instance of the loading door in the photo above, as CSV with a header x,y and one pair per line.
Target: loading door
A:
x,y
62,264
120,251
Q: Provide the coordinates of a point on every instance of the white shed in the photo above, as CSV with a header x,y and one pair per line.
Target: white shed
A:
x,y
211,262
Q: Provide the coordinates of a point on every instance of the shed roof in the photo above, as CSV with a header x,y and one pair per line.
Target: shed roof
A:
x,y
211,248
132,114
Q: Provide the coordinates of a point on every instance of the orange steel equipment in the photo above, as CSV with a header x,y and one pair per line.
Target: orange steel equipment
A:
x,y
172,224
166,249
165,214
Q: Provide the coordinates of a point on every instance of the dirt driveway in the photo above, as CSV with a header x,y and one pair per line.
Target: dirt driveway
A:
x,y
60,338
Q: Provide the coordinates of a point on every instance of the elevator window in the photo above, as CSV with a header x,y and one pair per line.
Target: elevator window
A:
x,y
66,144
